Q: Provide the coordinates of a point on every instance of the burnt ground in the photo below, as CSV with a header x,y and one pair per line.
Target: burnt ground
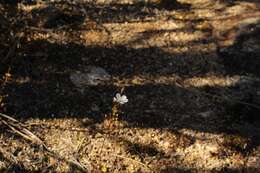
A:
x,y
190,71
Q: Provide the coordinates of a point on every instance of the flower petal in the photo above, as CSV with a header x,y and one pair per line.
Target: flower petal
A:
x,y
118,95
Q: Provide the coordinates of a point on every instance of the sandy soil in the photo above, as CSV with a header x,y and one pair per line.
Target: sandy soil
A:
x,y
189,70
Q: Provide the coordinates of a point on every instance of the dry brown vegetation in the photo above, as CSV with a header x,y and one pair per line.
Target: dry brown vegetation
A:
x,y
190,69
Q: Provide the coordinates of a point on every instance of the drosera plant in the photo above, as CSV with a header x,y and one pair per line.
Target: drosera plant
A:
x,y
116,109
112,120
118,100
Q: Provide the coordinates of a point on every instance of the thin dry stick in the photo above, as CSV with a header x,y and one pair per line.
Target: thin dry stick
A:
x,y
8,117
20,133
20,129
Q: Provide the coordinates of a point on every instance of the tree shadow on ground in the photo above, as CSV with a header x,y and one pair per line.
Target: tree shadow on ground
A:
x,y
45,68
41,88
61,15
243,57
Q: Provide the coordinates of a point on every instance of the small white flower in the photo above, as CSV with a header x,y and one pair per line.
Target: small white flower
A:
x,y
121,99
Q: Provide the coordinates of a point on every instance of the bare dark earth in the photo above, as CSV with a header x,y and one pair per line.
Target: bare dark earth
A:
x,y
190,70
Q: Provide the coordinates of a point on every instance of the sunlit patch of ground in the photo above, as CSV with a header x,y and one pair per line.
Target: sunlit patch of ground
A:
x,y
132,149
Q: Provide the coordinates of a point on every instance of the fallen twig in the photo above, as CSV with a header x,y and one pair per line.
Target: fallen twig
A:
x,y
21,130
